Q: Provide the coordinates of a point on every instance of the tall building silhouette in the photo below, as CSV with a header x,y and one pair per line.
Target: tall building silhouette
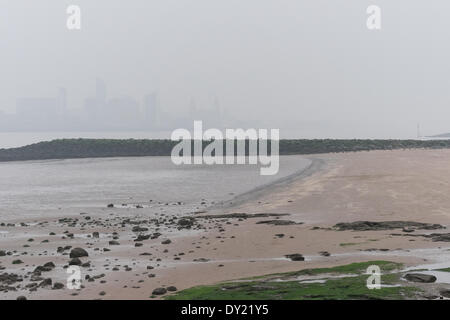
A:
x,y
100,92
151,110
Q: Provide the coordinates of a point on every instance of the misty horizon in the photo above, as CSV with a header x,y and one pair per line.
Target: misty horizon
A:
x,y
311,69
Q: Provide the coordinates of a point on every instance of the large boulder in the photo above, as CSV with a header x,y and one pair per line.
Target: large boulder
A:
x,y
159,291
78,253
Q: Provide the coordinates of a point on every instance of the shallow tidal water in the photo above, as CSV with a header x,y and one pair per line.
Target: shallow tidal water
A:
x,y
39,189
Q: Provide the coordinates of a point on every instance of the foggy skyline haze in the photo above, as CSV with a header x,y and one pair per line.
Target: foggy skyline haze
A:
x,y
307,67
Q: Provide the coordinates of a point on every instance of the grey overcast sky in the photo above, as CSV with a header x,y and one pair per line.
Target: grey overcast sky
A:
x,y
309,66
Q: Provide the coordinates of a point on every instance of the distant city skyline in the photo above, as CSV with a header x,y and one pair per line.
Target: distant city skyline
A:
x,y
103,112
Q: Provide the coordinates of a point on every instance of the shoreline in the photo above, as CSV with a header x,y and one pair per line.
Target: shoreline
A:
x,y
375,186
315,166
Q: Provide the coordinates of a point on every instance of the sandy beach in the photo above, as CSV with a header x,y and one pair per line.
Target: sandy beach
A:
x,y
294,216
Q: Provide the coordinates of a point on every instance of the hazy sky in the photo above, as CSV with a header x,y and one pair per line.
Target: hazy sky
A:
x,y
308,65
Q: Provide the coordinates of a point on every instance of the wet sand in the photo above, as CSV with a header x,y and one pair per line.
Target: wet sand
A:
x,y
410,185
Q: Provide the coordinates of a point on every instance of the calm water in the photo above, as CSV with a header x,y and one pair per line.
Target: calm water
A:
x,y
62,187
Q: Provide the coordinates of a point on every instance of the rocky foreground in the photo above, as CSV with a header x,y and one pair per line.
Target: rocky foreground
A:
x,y
117,253
363,207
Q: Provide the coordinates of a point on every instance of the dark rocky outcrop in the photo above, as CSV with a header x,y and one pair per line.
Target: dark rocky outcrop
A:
x,y
241,215
419,277
439,237
385,225
279,222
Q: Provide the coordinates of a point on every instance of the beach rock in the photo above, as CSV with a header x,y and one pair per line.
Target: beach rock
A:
x,y
324,253
171,288
419,277
385,225
96,235
139,229
18,261
241,215
185,223
111,205
58,286
114,243
10,278
21,298
168,241
445,293
142,237
75,262
295,257
279,222
46,282
155,235
78,253
159,291
49,266
440,237
2,253
435,237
